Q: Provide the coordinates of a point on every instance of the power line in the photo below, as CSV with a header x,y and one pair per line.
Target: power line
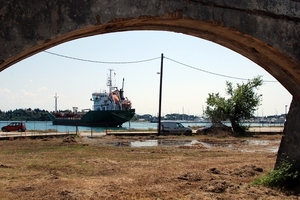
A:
x,y
213,73
147,60
101,62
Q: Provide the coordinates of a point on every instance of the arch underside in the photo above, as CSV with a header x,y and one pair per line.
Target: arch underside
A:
x,y
264,31
283,68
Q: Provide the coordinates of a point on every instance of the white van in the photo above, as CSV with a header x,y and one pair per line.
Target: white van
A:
x,y
174,127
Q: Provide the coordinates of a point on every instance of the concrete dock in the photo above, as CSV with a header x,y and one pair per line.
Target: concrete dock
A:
x,y
30,134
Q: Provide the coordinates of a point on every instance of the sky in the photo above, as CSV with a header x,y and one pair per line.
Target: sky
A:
x,y
33,82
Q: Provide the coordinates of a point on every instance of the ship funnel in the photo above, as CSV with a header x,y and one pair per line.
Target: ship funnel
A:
x,y
122,91
121,94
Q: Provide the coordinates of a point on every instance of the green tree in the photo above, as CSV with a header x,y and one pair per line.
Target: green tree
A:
x,y
240,105
24,115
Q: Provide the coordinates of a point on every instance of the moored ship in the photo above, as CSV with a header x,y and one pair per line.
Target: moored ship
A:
x,y
110,109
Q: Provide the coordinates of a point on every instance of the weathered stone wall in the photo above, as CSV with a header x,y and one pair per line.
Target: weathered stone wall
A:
x,y
289,149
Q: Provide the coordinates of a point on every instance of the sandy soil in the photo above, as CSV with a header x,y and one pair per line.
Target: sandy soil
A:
x,y
108,167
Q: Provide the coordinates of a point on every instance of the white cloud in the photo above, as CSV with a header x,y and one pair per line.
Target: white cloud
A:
x,y
26,94
41,89
6,95
4,91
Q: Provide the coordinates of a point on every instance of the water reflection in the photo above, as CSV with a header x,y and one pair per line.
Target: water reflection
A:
x,y
153,143
146,143
244,146
195,142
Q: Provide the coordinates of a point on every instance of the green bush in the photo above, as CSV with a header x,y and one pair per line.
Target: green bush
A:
x,y
286,176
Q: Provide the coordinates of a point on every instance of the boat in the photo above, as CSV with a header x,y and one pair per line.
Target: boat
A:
x,y
110,109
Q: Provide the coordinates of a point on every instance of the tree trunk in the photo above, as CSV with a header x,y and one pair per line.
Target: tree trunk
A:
x,y
236,127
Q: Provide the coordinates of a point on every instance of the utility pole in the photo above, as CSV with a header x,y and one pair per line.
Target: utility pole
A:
x,y
160,94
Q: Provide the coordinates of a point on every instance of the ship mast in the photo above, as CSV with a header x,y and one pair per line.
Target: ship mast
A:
x,y
109,81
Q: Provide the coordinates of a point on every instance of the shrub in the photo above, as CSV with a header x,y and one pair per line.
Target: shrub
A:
x,y
286,177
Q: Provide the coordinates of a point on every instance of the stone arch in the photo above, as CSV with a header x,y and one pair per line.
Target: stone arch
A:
x,y
266,32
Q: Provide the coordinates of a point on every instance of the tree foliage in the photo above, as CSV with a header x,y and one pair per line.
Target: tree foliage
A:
x,y
240,105
24,115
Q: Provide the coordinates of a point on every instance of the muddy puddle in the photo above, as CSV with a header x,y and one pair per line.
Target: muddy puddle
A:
x,y
251,145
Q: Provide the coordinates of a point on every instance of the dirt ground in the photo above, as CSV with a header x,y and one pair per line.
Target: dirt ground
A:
x,y
110,167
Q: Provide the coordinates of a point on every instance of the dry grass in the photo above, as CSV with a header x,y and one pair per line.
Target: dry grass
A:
x,y
83,169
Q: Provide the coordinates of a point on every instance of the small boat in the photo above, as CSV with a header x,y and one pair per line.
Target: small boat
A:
x,y
110,109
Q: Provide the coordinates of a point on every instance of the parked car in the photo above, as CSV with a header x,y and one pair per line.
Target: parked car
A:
x,y
175,127
203,130
14,126
210,129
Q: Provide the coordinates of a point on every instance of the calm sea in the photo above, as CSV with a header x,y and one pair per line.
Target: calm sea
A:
x,y
47,125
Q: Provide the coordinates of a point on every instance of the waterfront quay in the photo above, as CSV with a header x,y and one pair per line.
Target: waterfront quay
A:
x,y
33,134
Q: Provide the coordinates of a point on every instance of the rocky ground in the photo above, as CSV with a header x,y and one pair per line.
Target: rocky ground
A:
x,y
109,167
